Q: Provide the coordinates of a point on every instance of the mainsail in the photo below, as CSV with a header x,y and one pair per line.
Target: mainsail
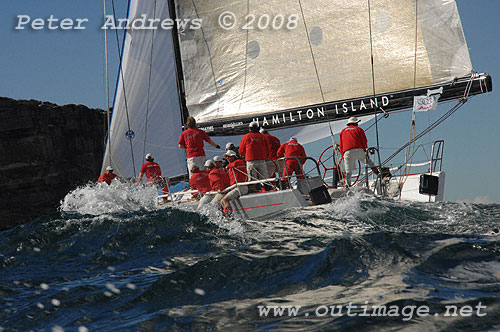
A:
x,y
285,64
339,58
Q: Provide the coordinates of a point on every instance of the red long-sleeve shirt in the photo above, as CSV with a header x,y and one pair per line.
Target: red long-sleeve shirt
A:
x,y
152,171
105,177
193,139
274,145
200,181
239,169
291,149
219,180
254,146
352,137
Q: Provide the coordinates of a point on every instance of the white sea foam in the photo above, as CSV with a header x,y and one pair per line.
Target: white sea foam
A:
x,y
97,199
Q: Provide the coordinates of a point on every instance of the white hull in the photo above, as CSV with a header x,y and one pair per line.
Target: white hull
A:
x,y
255,206
265,204
410,190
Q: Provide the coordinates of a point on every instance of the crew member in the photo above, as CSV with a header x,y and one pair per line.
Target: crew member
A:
x,y
230,146
353,145
207,197
199,181
219,162
219,180
237,172
273,164
107,176
152,171
292,149
255,148
192,140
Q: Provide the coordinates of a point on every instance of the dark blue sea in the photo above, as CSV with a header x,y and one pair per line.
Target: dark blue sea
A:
x,y
111,260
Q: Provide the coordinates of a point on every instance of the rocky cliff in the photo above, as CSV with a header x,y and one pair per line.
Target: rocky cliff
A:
x,y
45,151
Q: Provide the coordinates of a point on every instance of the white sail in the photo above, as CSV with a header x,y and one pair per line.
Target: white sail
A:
x,y
326,56
147,101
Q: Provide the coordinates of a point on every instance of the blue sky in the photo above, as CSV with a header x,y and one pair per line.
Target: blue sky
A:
x,y
67,67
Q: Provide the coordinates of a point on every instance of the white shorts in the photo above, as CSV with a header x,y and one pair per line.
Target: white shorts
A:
x,y
237,192
196,161
207,198
217,198
273,167
257,170
352,156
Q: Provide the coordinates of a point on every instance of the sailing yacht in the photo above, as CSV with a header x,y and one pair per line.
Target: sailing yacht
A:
x,y
298,68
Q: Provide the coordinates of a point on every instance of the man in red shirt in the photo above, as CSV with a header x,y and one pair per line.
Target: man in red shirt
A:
x,y
152,171
107,176
192,140
219,180
199,180
209,166
292,149
255,148
237,174
273,164
353,145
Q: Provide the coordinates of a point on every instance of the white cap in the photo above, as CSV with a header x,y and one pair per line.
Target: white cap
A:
x,y
293,139
218,158
229,144
209,162
353,119
231,153
149,156
109,168
253,124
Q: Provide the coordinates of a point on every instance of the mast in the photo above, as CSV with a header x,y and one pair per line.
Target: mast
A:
x,y
108,115
178,63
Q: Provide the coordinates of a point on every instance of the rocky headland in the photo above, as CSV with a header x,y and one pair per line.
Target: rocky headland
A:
x,y
46,150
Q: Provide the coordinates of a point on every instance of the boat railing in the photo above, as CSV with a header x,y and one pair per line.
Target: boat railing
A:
x,y
436,162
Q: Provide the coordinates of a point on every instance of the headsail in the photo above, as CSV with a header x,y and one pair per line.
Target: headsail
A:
x,y
330,59
146,116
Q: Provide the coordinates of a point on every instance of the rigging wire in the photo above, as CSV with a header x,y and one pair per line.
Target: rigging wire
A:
x,y
123,86
411,146
373,70
436,123
149,86
246,61
312,53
